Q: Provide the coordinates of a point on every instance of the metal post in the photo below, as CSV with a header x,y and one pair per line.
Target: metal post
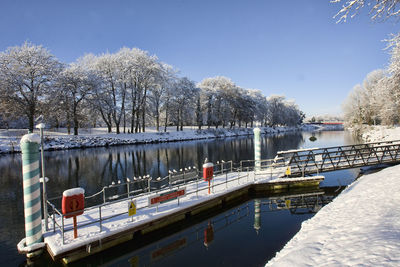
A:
x,y
148,183
62,230
197,186
31,186
257,148
100,219
178,196
127,185
54,219
226,180
104,195
45,213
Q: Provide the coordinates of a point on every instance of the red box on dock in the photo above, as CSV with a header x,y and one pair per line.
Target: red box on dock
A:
x,y
73,200
208,171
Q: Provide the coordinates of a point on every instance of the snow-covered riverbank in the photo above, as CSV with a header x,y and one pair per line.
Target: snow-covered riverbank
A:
x,y
361,227
9,140
381,133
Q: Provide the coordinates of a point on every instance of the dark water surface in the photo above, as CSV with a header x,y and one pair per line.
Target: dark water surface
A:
x,y
234,242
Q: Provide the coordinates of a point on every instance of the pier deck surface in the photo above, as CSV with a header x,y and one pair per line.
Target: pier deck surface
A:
x,y
120,227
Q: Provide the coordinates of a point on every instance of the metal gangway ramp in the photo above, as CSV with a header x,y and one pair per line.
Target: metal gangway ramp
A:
x,y
303,162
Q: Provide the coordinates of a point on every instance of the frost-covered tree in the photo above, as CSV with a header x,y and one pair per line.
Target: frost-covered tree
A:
x,y
183,102
370,102
27,74
214,90
164,78
143,74
76,82
379,9
283,112
108,66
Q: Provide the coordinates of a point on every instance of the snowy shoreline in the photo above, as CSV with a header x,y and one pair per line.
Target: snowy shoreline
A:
x,y
9,143
356,228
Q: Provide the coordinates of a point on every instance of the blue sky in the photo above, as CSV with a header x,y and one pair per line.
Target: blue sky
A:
x,y
287,47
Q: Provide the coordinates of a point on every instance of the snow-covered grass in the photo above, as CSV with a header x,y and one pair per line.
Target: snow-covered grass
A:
x,y
98,137
361,227
381,133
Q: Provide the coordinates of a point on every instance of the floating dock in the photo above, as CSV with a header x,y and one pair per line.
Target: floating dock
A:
x,y
105,226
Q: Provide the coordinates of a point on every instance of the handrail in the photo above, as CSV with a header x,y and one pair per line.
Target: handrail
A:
x,y
242,172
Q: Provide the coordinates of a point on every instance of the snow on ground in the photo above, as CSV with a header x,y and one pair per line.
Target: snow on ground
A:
x,y
98,137
361,227
381,133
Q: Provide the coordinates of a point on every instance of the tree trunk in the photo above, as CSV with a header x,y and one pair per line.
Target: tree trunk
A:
x,y
76,122
132,120
124,121
157,119
166,117
31,122
117,126
137,128
144,110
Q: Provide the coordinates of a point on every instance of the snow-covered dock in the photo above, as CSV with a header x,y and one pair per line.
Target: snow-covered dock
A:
x,y
104,226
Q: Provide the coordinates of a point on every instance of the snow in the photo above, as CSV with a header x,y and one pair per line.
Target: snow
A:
x,y
55,140
361,227
40,126
74,192
207,165
381,133
22,248
30,138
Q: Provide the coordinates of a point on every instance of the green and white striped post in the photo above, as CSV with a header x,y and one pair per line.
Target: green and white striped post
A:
x,y
257,149
32,202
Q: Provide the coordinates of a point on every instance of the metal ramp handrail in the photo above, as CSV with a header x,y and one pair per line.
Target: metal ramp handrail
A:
x,y
314,160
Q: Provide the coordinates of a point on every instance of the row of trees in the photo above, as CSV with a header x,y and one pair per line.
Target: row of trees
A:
x,y
128,90
377,99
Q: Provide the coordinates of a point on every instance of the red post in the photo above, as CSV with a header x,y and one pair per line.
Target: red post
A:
x,y
208,173
73,201
75,228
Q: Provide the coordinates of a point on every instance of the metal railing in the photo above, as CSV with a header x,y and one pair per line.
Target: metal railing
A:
x,y
315,160
188,177
146,186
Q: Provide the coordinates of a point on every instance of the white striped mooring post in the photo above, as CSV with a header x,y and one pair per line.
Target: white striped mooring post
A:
x,y
31,185
257,149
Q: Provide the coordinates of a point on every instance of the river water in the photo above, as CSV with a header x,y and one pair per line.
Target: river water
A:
x,y
247,234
